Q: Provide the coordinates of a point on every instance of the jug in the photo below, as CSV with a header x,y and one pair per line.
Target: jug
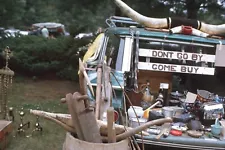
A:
x,y
216,128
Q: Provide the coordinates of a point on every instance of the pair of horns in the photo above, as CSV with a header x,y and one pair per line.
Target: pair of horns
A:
x,y
159,23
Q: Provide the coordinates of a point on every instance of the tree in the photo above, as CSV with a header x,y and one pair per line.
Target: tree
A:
x,y
11,12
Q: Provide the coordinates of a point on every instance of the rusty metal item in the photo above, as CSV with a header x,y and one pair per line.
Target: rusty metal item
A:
x,y
164,129
204,96
194,133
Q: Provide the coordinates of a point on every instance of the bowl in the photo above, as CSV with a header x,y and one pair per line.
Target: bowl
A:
x,y
134,122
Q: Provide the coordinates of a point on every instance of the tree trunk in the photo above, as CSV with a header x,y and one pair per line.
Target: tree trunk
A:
x,y
192,8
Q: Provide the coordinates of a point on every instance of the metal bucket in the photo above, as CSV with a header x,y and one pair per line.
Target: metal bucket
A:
x,y
168,112
72,143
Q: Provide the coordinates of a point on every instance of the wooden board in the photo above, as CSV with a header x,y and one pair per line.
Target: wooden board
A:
x,y
69,100
86,120
106,92
154,78
176,55
176,68
5,133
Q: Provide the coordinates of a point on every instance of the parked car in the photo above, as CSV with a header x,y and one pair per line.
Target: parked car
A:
x,y
55,29
6,33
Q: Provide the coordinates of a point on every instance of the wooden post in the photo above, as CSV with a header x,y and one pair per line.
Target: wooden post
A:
x,y
111,126
106,100
98,91
85,76
82,82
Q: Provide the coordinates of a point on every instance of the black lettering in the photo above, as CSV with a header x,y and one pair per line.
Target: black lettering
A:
x,y
170,54
194,57
167,67
154,53
200,57
160,54
154,66
196,69
160,67
165,54
179,55
190,69
173,68
185,56
183,69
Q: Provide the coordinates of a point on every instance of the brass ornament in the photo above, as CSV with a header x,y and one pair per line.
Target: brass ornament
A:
x,y
6,79
38,127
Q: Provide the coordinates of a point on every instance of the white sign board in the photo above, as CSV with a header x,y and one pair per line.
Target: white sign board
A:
x,y
176,68
176,55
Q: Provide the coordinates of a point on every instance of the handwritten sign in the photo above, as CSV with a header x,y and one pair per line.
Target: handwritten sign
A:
x,y
176,55
176,68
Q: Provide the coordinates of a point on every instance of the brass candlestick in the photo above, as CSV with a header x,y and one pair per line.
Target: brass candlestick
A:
x,y
22,124
38,127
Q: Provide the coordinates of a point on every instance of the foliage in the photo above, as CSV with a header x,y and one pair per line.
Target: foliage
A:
x,y
37,56
87,15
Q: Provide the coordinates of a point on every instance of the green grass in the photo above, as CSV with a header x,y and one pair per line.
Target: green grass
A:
x,y
44,95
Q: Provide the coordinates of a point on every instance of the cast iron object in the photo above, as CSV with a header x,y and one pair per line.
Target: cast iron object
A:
x,y
204,96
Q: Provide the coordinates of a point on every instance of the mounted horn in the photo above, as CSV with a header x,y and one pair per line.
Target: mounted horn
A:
x,y
212,29
146,21
169,22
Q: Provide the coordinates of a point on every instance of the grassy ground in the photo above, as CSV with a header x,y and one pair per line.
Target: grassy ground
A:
x,y
45,95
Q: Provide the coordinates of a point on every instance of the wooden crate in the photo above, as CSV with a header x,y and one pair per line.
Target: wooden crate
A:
x,y
5,133
154,78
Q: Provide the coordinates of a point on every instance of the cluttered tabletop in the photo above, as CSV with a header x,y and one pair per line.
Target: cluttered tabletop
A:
x,y
198,121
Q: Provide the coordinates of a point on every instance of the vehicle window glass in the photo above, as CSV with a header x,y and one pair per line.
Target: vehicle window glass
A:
x,y
112,51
